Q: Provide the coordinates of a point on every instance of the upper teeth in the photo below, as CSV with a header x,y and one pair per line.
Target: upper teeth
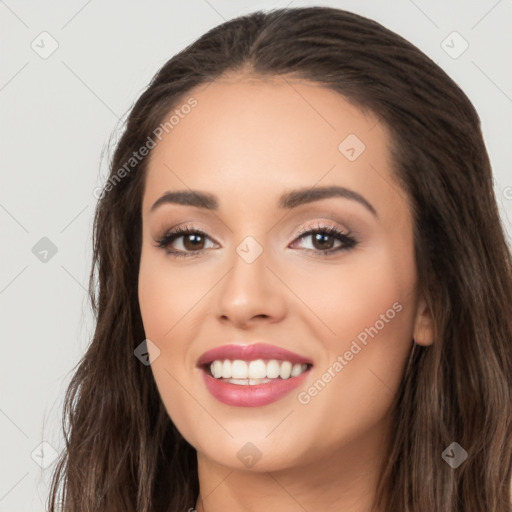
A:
x,y
258,369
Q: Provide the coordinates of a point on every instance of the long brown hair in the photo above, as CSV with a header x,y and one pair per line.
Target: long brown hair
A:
x,y
123,451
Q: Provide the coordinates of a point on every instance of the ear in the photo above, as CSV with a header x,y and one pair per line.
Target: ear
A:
x,y
423,333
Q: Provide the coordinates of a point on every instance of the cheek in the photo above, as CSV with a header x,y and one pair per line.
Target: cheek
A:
x,y
346,299
166,295
379,319
371,311
154,301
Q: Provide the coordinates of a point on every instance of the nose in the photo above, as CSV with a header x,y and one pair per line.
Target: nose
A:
x,y
250,293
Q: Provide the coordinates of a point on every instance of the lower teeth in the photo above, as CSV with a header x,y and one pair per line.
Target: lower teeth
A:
x,y
247,382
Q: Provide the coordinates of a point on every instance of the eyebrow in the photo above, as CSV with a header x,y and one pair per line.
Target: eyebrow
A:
x,y
288,200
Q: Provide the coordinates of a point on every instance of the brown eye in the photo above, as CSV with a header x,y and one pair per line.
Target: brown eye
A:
x,y
324,239
193,241
183,242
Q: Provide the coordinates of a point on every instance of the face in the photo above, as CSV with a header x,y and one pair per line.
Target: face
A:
x,y
268,258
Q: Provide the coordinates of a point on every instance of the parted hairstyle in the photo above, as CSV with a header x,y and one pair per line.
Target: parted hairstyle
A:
x,y
123,452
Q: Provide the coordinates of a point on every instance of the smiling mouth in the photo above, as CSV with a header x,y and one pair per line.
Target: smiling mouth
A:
x,y
255,372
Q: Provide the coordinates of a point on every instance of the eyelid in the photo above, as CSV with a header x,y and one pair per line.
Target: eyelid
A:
x,y
304,228
319,225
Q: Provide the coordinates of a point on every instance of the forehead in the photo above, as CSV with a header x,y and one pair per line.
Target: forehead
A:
x,y
277,111
251,136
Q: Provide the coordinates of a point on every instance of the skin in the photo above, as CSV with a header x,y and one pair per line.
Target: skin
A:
x,y
247,141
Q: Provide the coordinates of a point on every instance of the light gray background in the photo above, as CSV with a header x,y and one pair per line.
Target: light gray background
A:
x,y
57,115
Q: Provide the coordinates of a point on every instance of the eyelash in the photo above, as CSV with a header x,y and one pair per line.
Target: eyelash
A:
x,y
348,241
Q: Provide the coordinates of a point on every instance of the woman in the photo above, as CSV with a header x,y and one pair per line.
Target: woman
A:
x,y
340,340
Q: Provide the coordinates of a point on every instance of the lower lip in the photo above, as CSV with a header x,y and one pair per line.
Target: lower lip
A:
x,y
251,396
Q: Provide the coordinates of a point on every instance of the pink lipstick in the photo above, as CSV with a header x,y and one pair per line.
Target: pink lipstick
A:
x,y
252,375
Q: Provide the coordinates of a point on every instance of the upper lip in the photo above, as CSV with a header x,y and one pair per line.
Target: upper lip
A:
x,y
250,353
